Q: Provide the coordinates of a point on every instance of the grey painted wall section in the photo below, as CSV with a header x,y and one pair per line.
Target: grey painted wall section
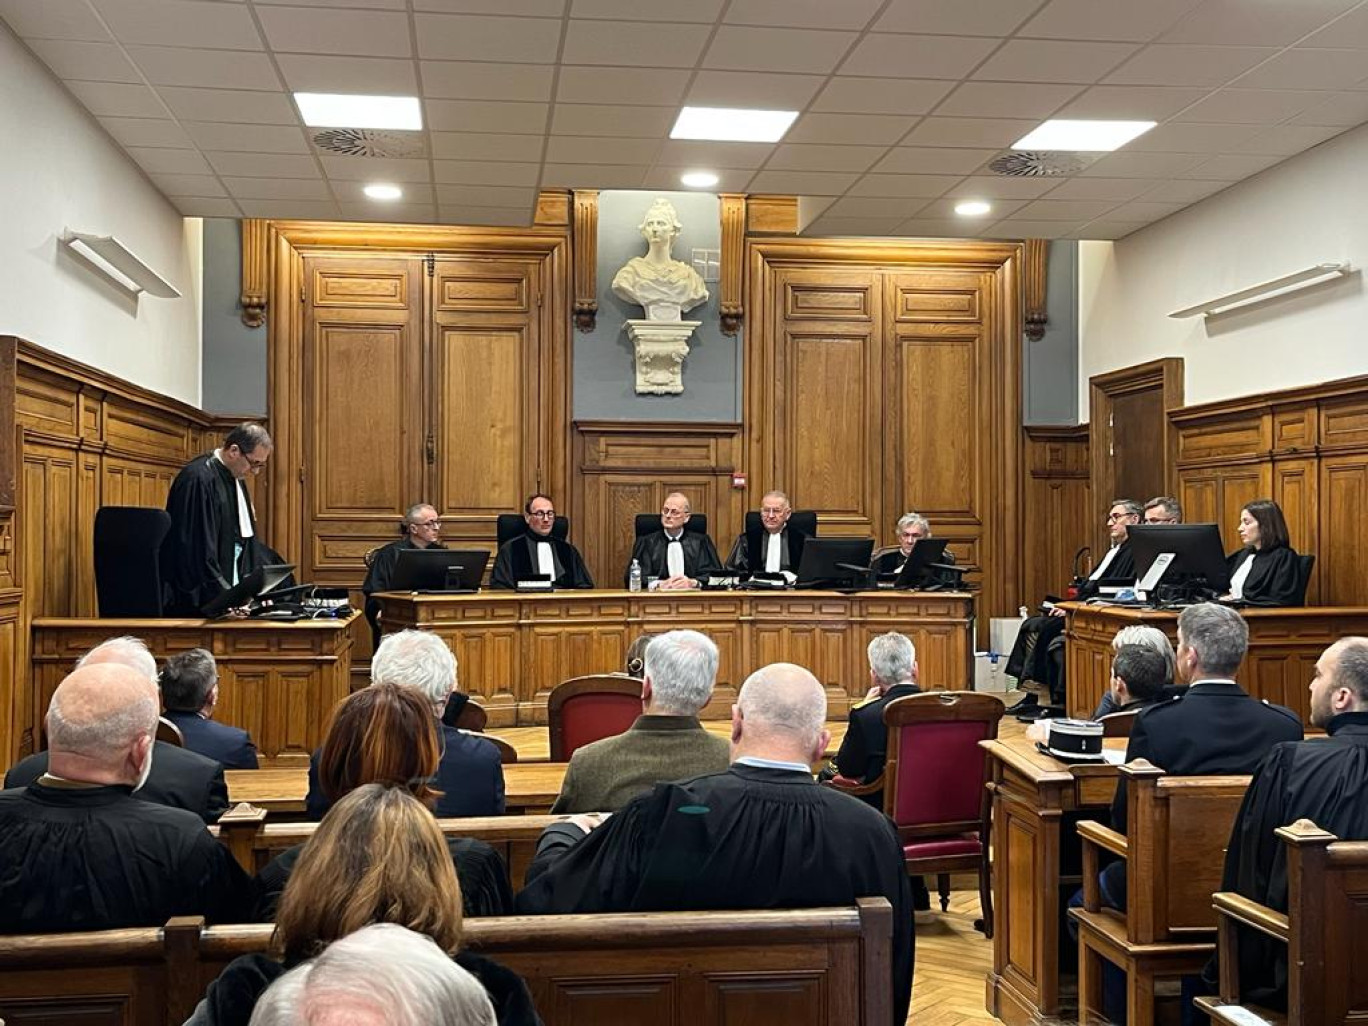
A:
x,y
604,378
1049,382
233,367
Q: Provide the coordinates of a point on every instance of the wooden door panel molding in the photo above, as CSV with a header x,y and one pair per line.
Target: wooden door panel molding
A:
x,y
938,444
372,286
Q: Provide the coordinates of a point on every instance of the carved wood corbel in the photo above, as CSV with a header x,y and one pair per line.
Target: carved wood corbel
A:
x,y
254,271
1033,288
585,233
731,300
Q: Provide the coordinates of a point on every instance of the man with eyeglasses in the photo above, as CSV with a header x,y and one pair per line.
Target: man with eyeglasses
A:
x,y
673,558
537,554
213,526
772,546
421,529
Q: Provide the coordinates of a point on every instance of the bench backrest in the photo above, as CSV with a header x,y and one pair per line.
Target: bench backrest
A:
x,y
807,967
1327,891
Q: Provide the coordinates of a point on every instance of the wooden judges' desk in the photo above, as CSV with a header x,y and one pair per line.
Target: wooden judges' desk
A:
x,y
1032,792
514,647
1284,645
277,680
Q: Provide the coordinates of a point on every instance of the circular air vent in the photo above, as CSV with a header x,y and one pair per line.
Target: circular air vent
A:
x,y
1018,164
368,142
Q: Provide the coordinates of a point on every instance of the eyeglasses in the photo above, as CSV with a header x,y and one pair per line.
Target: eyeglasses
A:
x,y
773,511
543,514
671,511
1112,517
431,525
1161,520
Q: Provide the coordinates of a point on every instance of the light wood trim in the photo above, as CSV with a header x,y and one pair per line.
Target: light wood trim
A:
x,y
585,262
553,208
731,301
772,215
255,263
1103,837
1250,913
1033,286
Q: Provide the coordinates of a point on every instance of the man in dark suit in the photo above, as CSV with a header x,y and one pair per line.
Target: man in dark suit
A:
x,y
675,558
190,691
179,778
470,773
892,675
772,546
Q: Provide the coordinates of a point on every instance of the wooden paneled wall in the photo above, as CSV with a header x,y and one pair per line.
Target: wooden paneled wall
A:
x,y
1059,514
623,469
1305,448
78,439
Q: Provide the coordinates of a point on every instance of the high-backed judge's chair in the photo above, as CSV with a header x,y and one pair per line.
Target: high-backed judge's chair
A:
x,y
128,541
649,523
582,710
511,525
800,520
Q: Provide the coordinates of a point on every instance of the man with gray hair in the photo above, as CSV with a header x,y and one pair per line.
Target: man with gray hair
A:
x,y
470,773
78,851
381,975
770,544
911,528
666,742
180,778
892,675
1163,509
190,693
761,835
421,528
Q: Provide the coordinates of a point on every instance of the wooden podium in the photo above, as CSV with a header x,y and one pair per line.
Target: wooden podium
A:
x,y
279,681
513,648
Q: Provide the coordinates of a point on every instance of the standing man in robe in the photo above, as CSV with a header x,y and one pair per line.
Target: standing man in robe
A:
x,y
538,553
422,529
674,557
213,525
773,547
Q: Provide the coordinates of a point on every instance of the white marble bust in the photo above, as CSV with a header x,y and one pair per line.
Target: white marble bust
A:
x,y
663,286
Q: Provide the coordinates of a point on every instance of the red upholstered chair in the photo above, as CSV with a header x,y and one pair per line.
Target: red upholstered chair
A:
x,y
585,709
935,785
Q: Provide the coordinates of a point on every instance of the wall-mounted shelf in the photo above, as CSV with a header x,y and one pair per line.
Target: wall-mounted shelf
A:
x,y
1266,290
117,263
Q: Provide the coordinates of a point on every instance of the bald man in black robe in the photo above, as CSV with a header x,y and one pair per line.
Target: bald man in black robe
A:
x,y
762,835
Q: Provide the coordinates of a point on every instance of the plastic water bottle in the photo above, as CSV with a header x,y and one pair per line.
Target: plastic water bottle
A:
x,y
634,576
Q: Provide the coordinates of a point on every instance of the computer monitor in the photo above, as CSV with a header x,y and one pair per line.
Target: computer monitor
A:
x,y
821,564
439,569
254,585
917,572
1199,562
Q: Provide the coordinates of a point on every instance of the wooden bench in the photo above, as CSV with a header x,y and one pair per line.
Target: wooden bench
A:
x,y
803,967
254,838
1175,851
1325,929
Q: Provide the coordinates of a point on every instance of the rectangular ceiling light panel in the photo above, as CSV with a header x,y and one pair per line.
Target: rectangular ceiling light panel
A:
x,y
342,110
729,124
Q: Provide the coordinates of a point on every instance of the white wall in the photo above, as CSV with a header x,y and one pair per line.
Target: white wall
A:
x,y
1307,210
59,170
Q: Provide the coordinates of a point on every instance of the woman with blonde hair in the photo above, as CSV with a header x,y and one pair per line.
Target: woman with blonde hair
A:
x,y
377,857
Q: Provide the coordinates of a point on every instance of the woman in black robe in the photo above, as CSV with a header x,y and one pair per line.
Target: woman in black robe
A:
x,y
378,857
1267,570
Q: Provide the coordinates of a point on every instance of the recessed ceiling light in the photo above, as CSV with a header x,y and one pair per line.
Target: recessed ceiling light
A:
x,y
343,110
730,124
972,208
1063,134
383,192
699,179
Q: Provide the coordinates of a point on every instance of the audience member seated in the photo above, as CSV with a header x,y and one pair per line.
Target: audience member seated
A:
x,y
382,975
634,663
1028,660
772,546
537,552
672,557
378,857
1139,678
665,743
78,852
180,778
469,773
190,691
1322,780
1150,637
421,529
386,734
1267,571
761,835
1163,509
1214,728
912,527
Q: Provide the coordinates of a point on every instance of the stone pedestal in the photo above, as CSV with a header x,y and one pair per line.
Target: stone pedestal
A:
x,y
660,348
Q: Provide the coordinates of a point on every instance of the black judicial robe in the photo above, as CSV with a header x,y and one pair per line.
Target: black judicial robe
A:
x,y
180,779
1325,781
1273,579
96,858
749,838
197,556
700,556
381,574
892,562
864,749
517,561
748,553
